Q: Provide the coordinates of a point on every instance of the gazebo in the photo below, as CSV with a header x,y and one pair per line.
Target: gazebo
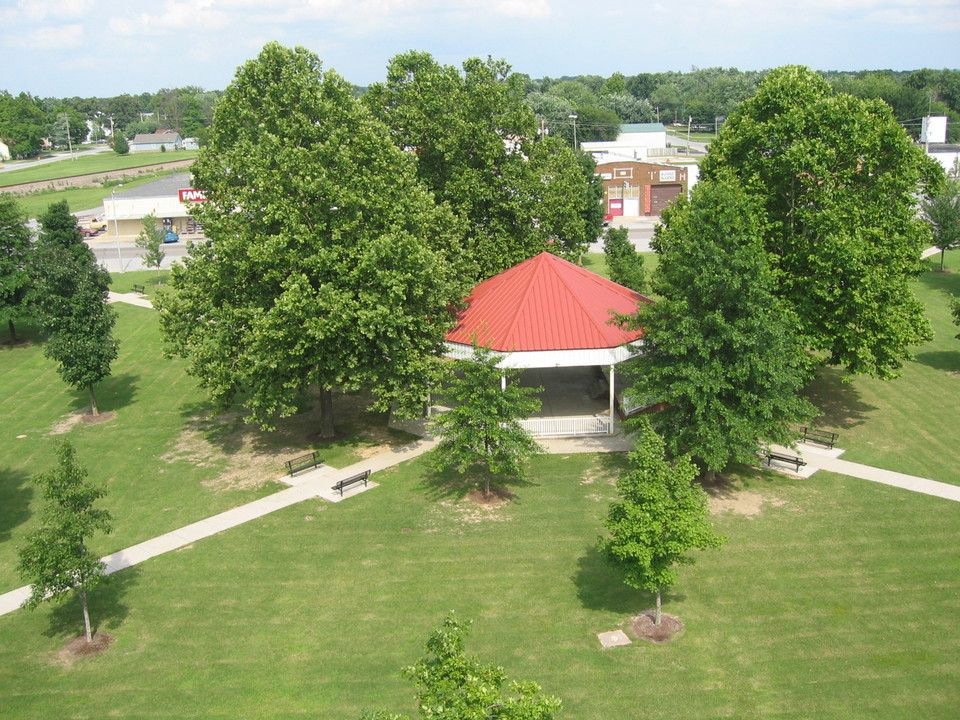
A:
x,y
547,312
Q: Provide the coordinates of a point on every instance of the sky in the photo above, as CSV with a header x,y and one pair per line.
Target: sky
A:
x,y
102,48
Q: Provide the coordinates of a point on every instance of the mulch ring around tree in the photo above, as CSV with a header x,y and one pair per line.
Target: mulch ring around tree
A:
x,y
97,419
495,498
643,628
79,648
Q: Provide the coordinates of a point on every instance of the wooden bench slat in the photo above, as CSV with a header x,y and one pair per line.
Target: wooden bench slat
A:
x,y
303,462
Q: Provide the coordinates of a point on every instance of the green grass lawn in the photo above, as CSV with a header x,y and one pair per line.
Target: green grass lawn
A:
x,y
833,597
165,461
909,424
86,164
823,604
85,198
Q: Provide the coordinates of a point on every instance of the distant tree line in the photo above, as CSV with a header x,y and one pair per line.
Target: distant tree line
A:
x,y
706,96
26,121
703,97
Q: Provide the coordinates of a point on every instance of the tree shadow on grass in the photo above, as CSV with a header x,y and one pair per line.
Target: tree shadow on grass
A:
x,y
947,360
946,282
16,492
108,611
839,402
356,426
440,485
601,587
114,393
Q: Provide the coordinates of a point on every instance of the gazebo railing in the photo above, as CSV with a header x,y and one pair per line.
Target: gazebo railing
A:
x,y
566,426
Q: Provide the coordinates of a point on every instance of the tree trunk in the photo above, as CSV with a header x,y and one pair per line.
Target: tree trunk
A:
x,y
656,617
326,413
93,401
86,616
943,250
13,330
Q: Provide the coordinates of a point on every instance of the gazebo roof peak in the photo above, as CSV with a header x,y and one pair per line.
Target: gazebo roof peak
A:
x,y
546,304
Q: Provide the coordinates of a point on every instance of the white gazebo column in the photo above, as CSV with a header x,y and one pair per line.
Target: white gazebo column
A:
x,y
503,382
612,382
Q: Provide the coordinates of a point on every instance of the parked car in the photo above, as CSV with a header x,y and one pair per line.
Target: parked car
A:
x,y
90,232
171,236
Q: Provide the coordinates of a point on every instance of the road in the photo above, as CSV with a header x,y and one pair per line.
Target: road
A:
x,y
125,255
639,231
9,166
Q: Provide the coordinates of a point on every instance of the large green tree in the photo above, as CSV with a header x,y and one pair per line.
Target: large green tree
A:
x,y
69,299
329,265
471,133
55,560
481,427
661,515
837,178
623,261
721,349
14,272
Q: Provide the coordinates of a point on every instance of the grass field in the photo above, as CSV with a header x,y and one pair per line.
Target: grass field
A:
x,y
86,164
825,603
911,424
85,198
833,597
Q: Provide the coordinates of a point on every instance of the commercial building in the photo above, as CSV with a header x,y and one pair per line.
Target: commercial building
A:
x,y
169,199
637,189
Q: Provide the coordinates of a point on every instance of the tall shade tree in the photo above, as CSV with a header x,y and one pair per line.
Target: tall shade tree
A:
x,y
569,197
55,559
837,178
329,265
150,240
661,515
481,428
471,133
942,211
452,685
14,249
721,349
69,299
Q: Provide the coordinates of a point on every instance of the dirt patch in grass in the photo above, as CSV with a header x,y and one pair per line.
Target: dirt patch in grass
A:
x,y
83,415
79,648
495,498
725,496
669,628
250,457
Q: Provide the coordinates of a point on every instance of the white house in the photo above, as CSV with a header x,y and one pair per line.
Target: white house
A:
x,y
635,141
144,142
4,151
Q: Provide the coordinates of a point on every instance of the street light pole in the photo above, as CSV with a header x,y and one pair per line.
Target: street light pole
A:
x,y
573,116
116,228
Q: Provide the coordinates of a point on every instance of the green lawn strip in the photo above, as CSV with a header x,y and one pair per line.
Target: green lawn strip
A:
x,y
165,462
78,199
909,424
87,164
597,263
124,282
837,598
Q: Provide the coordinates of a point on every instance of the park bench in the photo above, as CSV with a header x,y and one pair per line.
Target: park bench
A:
x,y
780,457
139,289
823,437
362,477
303,462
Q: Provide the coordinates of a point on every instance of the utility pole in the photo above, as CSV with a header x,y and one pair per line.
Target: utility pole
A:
x,y
573,116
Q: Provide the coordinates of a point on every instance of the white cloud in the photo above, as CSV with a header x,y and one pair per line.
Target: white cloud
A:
x,y
59,37
188,15
535,9
34,11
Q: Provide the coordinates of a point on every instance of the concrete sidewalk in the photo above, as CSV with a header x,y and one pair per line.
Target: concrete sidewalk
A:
x,y
319,482
130,299
820,458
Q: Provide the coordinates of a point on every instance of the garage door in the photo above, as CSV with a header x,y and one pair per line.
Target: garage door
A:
x,y
661,195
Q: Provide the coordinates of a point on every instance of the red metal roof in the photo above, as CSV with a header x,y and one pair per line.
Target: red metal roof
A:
x,y
546,303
